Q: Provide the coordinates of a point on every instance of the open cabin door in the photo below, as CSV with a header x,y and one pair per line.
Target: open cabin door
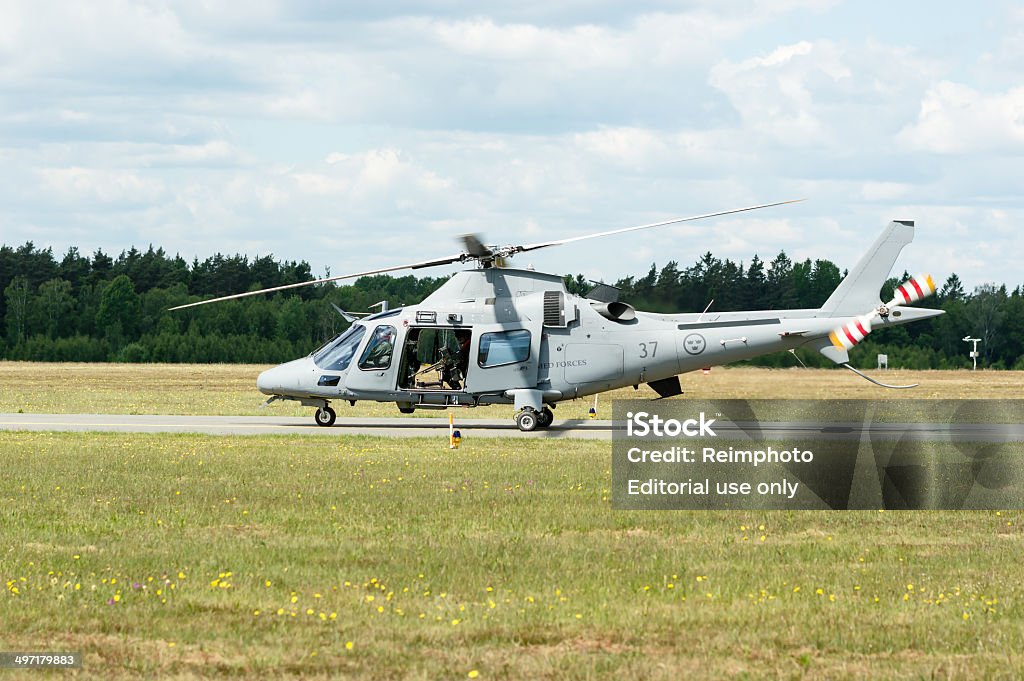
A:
x,y
435,359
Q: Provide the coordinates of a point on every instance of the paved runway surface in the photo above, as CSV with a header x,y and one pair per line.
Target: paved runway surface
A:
x,y
434,427
287,425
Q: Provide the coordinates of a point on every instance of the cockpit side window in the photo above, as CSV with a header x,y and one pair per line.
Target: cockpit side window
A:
x,y
338,355
503,347
379,350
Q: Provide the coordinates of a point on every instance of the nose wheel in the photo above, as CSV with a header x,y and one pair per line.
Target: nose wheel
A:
x,y
325,417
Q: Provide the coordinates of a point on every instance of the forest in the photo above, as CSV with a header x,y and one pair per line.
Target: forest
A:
x,y
101,308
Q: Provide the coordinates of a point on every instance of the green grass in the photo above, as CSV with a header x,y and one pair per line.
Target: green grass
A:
x,y
500,558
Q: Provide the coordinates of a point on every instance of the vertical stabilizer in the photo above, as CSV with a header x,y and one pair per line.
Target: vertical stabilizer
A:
x,y
859,291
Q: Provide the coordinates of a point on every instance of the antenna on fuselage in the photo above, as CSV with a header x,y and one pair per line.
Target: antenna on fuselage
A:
x,y
710,303
347,316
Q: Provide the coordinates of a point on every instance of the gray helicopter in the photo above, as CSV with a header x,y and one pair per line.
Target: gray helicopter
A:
x,y
498,335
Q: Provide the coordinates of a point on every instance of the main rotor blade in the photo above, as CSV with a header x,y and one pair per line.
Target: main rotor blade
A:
x,y
559,242
411,266
475,247
477,251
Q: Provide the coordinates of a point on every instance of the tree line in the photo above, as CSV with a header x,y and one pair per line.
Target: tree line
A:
x,y
104,308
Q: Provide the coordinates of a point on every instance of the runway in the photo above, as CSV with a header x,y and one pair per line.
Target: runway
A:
x,y
294,425
438,427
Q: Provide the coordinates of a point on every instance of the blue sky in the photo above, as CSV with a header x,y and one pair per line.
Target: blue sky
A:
x,y
353,137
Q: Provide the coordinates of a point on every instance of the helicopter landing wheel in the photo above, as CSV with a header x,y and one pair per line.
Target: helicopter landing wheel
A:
x,y
325,417
527,420
545,418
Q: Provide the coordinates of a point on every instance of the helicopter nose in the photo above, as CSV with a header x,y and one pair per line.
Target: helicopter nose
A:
x,y
285,378
268,381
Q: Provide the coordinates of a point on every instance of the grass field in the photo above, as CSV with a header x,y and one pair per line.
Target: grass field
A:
x,y
180,556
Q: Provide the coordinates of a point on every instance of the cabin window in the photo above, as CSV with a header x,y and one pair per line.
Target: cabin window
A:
x,y
338,355
377,354
503,347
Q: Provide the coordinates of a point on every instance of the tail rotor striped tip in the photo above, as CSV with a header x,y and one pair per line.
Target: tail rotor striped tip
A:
x,y
851,333
914,289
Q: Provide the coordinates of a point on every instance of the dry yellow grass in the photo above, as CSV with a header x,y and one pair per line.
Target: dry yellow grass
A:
x,y
44,387
796,383
230,389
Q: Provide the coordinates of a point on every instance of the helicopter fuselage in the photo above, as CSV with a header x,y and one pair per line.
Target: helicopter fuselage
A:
x,y
506,336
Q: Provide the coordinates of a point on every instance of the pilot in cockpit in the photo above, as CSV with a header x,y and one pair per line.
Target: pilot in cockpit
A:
x,y
378,354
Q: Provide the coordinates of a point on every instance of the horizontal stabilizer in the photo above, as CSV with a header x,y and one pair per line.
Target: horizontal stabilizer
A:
x,y
837,354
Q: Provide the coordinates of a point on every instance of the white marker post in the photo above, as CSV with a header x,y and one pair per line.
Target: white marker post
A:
x,y
974,351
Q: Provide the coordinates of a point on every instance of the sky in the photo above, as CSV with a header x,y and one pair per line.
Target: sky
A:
x,y
354,136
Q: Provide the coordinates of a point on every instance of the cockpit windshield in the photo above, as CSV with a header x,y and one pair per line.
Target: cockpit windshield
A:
x,y
337,355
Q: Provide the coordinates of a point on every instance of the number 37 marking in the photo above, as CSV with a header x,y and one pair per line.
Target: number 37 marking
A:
x,y
648,349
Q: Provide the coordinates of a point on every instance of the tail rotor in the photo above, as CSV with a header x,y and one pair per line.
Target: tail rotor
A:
x,y
850,334
846,336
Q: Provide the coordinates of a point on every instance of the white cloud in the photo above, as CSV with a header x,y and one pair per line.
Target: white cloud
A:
x,y
320,183
657,38
823,95
1003,64
214,152
884,191
772,93
635,147
957,119
361,177
104,186
53,39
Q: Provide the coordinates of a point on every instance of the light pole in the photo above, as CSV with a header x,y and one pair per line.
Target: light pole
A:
x,y
974,352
